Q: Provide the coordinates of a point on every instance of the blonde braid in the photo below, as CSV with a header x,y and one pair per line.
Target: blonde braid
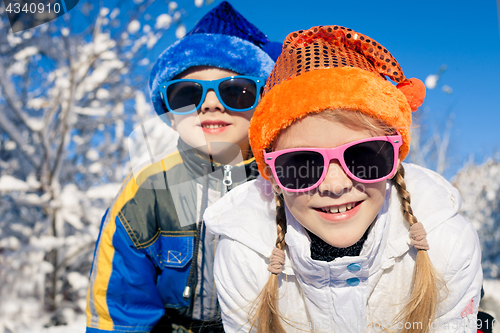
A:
x,y
267,313
421,307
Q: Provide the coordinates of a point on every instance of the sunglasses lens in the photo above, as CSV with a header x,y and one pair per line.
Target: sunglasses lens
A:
x,y
370,160
182,94
238,93
299,170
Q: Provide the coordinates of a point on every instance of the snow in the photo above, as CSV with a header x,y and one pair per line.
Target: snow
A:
x,y
133,27
172,5
491,301
107,191
13,39
144,62
479,186
142,107
447,89
198,3
10,243
92,154
431,81
36,124
18,68
32,181
77,280
102,93
104,11
163,21
47,243
72,219
114,13
108,55
10,145
152,40
77,326
37,103
180,31
95,167
26,53
9,183
27,34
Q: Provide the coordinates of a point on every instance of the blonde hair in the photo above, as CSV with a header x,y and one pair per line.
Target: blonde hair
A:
x,y
423,300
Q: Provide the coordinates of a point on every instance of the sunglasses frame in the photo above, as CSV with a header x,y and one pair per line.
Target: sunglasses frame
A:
x,y
337,153
214,85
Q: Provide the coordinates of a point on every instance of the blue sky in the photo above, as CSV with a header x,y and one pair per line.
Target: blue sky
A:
x,y
422,36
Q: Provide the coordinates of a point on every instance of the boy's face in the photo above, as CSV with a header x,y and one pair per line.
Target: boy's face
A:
x,y
212,123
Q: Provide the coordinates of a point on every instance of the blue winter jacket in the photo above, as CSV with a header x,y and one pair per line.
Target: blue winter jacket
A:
x,y
143,256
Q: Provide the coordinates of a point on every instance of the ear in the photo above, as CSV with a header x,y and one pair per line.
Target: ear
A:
x,y
170,117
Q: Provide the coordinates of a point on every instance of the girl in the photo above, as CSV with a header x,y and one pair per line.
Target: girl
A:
x,y
330,239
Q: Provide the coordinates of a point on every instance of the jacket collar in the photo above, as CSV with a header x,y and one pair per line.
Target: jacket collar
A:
x,y
199,165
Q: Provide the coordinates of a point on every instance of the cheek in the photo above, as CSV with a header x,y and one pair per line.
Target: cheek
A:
x,y
242,118
296,203
376,192
188,129
190,120
243,123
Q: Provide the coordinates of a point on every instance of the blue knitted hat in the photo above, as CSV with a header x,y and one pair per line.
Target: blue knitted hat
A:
x,y
223,38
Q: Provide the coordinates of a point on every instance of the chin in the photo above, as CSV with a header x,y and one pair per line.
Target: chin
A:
x,y
341,242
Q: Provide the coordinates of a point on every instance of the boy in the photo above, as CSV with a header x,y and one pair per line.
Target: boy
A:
x,y
153,262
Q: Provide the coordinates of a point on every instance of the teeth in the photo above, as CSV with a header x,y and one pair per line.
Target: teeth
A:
x,y
338,209
342,208
212,126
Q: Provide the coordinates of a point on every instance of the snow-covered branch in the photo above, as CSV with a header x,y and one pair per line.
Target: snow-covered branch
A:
x,y
68,96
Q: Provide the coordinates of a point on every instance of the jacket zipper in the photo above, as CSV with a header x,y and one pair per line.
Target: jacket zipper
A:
x,y
227,177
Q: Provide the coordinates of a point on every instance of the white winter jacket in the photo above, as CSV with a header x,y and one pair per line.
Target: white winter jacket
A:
x,y
348,294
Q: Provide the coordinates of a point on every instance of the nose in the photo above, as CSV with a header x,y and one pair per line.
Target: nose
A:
x,y
211,103
336,180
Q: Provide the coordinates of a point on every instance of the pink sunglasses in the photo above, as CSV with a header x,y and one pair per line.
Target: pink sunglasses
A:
x,y
366,161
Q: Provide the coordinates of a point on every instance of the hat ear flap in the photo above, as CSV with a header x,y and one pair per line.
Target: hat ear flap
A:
x,y
414,91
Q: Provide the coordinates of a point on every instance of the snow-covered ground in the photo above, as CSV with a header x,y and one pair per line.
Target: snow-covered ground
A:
x,y
491,301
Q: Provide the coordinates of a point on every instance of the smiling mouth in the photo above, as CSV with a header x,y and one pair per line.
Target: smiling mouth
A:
x,y
338,209
210,125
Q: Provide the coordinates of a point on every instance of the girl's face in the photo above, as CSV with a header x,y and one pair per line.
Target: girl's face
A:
x,y
212,123
312,209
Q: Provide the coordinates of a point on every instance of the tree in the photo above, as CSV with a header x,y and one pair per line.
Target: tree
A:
x,y
479,186
70,90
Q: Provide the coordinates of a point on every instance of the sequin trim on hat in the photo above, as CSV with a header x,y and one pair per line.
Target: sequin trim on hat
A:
x,y
332,46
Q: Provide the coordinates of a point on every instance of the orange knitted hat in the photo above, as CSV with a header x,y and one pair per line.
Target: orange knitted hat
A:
x,y
331,67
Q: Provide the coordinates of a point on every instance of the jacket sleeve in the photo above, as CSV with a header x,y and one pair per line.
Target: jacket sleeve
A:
x,y
122,295
239,278
463,278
